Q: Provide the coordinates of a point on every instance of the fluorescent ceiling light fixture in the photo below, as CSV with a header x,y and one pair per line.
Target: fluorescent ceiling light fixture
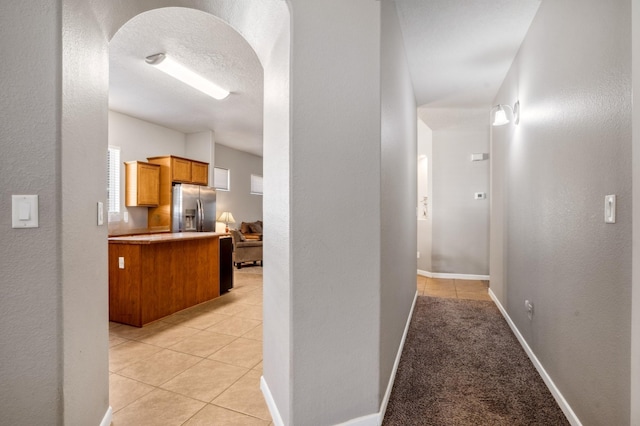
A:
x,y
180,72
500,117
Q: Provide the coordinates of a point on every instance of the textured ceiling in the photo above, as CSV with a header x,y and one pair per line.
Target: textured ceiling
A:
x,y
208,46
458,52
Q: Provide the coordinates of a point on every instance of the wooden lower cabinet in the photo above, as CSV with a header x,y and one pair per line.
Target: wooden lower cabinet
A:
x,y
160,279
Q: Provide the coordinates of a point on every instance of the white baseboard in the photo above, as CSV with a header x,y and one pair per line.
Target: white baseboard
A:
x,y
271,403
387,394
564,405
368,420
108,416
374,419
452,276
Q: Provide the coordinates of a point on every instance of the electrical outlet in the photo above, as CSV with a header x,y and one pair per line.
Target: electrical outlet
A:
x,y
418,255
529,307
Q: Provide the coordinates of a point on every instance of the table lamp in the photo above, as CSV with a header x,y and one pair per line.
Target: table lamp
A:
x,y
227,218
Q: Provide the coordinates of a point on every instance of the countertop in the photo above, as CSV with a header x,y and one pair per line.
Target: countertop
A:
x,y
164,237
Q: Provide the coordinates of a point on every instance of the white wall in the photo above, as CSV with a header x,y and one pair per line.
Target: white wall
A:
x,y
138,140
54,136
398,193
277,311
335,210
635,321
82,244
30,315
460,232
425,187
244,206
572,147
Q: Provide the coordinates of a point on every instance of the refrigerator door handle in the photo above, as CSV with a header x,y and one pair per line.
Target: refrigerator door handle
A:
x,y
200,216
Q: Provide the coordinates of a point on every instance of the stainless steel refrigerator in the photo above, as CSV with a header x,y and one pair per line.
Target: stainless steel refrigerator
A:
x,y
193,208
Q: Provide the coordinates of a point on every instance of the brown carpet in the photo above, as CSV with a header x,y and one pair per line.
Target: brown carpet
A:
x,y
462,365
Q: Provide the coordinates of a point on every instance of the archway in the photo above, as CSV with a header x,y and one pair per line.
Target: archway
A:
x,y
87,29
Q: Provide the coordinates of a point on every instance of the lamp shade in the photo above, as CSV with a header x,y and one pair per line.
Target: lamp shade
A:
x,y
500,117
226,217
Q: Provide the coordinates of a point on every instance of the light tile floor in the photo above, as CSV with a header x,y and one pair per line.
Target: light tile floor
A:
x,y
453,289
202,366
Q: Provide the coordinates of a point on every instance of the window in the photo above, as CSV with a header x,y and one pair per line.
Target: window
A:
x,y
221,178
113,179
256,184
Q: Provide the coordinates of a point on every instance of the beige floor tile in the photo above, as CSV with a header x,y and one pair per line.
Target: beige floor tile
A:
x,y
205,380
255,334
199,320
245,396
258,367
253,298
241,352
470,285
168,336
212,415
123,391
252,312
203,343
160,367
159,407
128,353
247,285
115,340
235,326
449,294
230,308
439,282
136,333
114,325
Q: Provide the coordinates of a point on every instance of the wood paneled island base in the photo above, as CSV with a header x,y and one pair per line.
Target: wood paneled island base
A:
x,y
162,274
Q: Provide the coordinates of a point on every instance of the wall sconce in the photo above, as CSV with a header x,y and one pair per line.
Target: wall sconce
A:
x,y
178,71
500,117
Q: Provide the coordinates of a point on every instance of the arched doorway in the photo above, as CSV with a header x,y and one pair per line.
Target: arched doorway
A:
x,y
87,29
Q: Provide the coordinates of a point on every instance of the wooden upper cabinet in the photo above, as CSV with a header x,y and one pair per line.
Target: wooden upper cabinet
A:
x,y
183,170
199,173
180,170
142,184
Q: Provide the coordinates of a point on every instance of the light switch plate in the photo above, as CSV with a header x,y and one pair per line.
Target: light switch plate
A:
x,y
479,157
610,209
100,213
24,211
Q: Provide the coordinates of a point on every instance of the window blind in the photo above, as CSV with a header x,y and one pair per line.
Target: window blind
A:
x,y
221,178
113,179
256,184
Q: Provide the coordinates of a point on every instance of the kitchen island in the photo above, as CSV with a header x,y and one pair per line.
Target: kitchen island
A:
x,y
155,275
